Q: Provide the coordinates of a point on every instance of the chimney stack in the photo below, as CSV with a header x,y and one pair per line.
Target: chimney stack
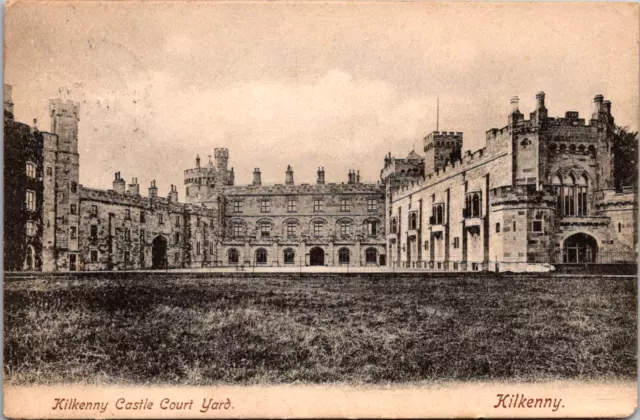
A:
x,y
256,177
540,101
153,190
606,106
288,179
320,179
515,104
358,177
118,184
352,177
173,194
134,187
197,160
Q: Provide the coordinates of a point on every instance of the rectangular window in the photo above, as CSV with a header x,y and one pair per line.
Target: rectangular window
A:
x,y
72,209
372,204
143,217
31,228
127,214
127,256
318,204
49,171
344,205
292,205
74,187
498,227
265,230
456,242
197,248
345,229
94,231
372,228
426,245
291,230
94,256
265,206
536,226
94,210
317,229
31,200
514,225
237,206
73,232
160,218
178,220
127,234
31,169
142,235
237,230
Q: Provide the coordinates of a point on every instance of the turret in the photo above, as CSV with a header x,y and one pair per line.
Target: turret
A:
x,y
134,187
118,184
173,194
320,179
153,190
256,177
288,178
64,123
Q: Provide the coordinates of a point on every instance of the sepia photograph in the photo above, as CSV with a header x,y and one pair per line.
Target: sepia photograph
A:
x,y
320,209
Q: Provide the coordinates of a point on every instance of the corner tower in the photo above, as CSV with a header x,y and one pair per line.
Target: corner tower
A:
x,y
440,148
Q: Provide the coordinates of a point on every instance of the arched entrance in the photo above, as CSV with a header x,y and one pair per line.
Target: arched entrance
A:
x,y
316,256
371,256
580,248
159,252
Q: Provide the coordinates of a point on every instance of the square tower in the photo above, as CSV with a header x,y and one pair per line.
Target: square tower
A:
x,y
440,148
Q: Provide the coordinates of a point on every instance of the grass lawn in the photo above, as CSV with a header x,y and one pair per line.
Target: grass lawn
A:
x,y
183,329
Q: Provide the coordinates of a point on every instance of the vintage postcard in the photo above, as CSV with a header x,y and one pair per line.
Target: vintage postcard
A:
x,y
320,209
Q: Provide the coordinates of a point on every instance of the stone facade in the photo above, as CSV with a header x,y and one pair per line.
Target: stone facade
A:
x,y
539,193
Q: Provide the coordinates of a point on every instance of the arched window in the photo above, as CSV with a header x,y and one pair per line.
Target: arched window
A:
x,y
571,195
475,205
572,148
343,256
568,193
233,256
556,182
440,214
371,256
289,256
261,256
582,190
563,148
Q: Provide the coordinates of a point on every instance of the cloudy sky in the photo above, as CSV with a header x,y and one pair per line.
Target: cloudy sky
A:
x,y
334,85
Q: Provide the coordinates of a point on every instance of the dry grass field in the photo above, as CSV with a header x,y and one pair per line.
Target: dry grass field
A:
x,y
186,329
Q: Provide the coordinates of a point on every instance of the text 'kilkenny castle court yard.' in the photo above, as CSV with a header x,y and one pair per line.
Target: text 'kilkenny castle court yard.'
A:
x,y
541,193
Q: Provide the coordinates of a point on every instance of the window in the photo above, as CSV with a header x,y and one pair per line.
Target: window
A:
x,y
498,227
265,229
371,256
413,221
49,171
31,200
292,205
178,220
233,256
31,228
198,248
72,209
265,206
437,217
345,229
344,205
176,258
73,232
238,230
261,256
289,256
94,256
31,169
74,187
143,217
127,256
291,230
94,231
514,225
318,204
372,204
142,235
127,214
473,206
581,190
371,227
94,210
198,221
456,242
176,238
160,218
343,256
317,229
619,227
394,225
237,206
127,234
426,245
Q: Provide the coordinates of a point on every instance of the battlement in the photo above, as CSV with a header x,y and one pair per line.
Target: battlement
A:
x,y
60,107
305,189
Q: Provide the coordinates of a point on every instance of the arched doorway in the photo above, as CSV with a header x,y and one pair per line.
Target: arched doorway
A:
x,y
316,256
580,248
159,252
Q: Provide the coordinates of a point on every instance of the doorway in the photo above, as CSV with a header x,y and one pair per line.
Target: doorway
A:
x,y
316,256
159,252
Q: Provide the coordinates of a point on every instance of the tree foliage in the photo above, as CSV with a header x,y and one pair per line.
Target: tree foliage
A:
x,y
625,157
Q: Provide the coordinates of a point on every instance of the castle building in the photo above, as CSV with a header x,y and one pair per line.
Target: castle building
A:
x,y
540,192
